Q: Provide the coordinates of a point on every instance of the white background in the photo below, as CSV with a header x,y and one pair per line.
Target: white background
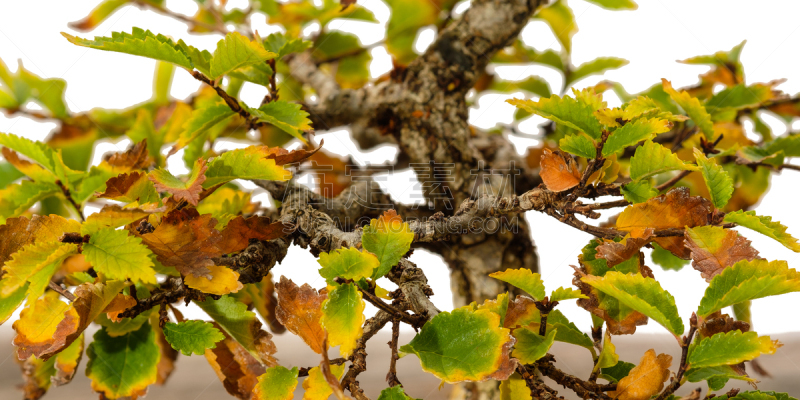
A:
x,y
651,38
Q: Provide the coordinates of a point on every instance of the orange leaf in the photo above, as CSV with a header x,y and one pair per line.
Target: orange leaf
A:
x,y
559,172
617,252
40,323
235,366
675,209
223,281
300,309
136,157
283,156
646,379
120,303
187,241
237,234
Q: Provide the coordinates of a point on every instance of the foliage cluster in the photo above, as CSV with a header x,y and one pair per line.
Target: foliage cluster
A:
x,y
677,160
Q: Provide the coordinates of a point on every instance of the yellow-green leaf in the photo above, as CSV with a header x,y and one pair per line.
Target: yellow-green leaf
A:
x,y
247,163
575,113
720,184
563,293
288,117
242,325
559,17
653,158
642,294
235,51
316,387
347,263
463,345
139,43
343,317
36,257
692,107
192,336
608,356
764,226
730,348
530,346
389,238
748,280
523,278
118,255
277,383
634,132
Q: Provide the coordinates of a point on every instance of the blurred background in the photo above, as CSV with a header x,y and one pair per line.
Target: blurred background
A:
x,y
651,38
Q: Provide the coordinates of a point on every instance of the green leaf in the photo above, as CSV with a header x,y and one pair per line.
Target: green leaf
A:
x,y
347,263
260,74
639,192
9,303
277,383
143,129
36,257
533,84
343,316
281,44
789,145
236,51
112,216
595,67
739,97
561,20
463,345
530,346
248,163
748,280
642,294
8,174
120,256
524,279
47,92
579,145
43,155
693,109
139,43
718,372
389,238
720,184
764,226
200,122
634,132
608,356
574,113
394,393
730,348
288,117
238,322
562,294
192,336
665,259
652,159
617,372
616,4
567,331
123,366
757,395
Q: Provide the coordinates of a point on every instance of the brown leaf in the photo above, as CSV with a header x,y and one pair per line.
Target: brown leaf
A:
x,y
721,248
67,364
330,173
617,252
237,234
299,310
36,381
675,209
646,379
120,186
283,156
235,366
120,303
721,323
21,231
41,336
136,157
187,241
559,172
521,311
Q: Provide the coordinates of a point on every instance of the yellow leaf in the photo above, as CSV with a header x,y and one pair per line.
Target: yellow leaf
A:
x,y
316,386
646,379
223,281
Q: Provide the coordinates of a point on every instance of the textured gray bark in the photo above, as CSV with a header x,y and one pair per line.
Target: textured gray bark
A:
x,y
423,109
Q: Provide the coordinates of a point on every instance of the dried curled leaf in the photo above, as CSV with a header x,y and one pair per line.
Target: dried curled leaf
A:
x,y
713,249
239,231
300,310
188,190
646,379
675,209
235,367
617,252
559,172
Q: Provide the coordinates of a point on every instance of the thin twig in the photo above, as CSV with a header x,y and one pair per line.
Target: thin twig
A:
x,y
57,288
181,17
71,201
676,381
672,181
412,320
336,361
391,376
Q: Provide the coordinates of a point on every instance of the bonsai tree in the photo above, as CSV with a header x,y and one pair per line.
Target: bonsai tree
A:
x,y
673,165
